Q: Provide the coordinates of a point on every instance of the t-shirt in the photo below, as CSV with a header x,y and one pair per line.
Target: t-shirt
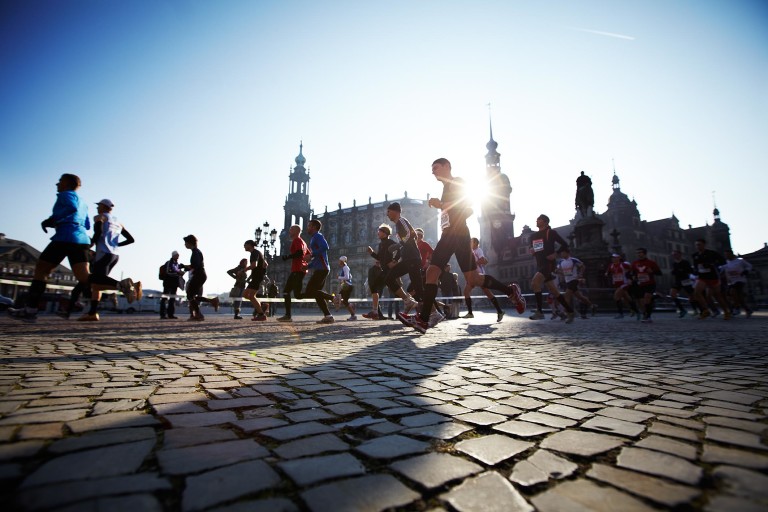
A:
x,y
569,267
478,253
110,236
645,271
456,208
735,269
618,273
543,244
319,247
407,236
426,253
70,214
258,264
298,264
706,264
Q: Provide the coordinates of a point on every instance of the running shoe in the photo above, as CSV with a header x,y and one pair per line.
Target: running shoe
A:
x,y
468,315
285,318
682,313
196,318
259,318
499,316
215,303
704,314
405,318
418,324
538,315
371,316
23,314
435,318
409,305
327,320
126,287
238,317
646,320
352,318
516,296
89,317
569,319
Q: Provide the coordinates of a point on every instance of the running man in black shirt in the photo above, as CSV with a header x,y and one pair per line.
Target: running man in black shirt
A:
x,y
706,266
543,249
258,267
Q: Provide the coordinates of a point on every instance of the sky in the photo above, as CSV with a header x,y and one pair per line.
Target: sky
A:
x,y
188,114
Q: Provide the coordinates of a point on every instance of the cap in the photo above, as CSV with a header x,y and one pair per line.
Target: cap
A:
x,y
394,207
107,203
174,254
343,258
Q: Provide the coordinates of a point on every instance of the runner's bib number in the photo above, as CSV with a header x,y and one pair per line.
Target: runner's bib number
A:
x,y
445,221
538,245
686,282
643,278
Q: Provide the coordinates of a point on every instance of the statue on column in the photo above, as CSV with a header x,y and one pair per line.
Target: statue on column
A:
x,y
585,197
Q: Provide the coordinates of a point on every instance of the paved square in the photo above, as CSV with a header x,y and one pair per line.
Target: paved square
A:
x,y
602,414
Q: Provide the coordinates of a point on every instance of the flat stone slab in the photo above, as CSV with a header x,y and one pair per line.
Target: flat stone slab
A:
x,y
489,492
102,438
435,469
735,437
311,470
648,487
202,419
229,483
481,418
181,461
113,420
583,495
523,428
670,446
439,431
623,414
613,426
367,493
391,447
304,429
493,448
714,454
541,467
660,464
578,442
314,445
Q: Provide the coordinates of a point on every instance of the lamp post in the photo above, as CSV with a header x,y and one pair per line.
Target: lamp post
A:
x,y
266,240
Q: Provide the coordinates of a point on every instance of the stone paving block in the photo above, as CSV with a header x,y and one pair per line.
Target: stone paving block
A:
x,y
323,443
299,430
178,408
579,404
113,420
546,420
20,449
730,396
614,426
625,414
435,469
237,403
203,419
667,445
726,405
648,487
309,415
671,431
583,495
481,418
88,491
669,411
506,410
255,424
493,448
391,446
724,503
742,482
311,470
265,505
690,424
177,397
489,492
714,454
41,431
475,402
368,493
523,428
660,464
540,394
750,426
422,420
737,437
102,438
191,459
386,427
577,442
344,409
135,393
565,411
229,483
44,417
630,394
101,462
181,437
593,396
443,431
728,413
522,402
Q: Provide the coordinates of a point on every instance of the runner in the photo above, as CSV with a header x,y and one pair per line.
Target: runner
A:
x,y
618,272
258,267
195,285
106,236
454,239
318,263
383,254
736,271
71,222
681,275
572,271
706,265
299,253
543,249
481,261
644,272
375,282
409,260
345,287
236,293
172,281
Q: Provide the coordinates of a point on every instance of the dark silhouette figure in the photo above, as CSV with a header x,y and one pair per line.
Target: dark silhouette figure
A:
x,y
585,197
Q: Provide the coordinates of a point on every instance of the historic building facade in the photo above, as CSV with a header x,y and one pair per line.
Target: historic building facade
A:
x,y
17,267
348,229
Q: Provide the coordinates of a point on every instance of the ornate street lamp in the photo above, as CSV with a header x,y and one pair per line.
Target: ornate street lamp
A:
x,y
266,239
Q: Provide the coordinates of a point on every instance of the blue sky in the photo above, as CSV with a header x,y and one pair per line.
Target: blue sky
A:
x,y
188,114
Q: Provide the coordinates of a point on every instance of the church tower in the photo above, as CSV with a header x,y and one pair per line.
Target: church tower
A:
x,y
496,221
297,207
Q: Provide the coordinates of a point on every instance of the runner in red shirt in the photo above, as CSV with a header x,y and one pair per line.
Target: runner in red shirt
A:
x,y
295,281
644,272
617,272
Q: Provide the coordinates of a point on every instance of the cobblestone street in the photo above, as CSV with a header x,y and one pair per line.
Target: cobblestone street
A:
x,y
134,413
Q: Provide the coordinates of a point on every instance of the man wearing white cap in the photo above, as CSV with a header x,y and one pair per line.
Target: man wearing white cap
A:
x,y
106,238
171,282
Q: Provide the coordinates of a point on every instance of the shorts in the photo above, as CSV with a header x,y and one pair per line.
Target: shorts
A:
x,y
572,285
640,291
104,265
346,293
55,253
546,268
737,286
710,283
455,241
685,287
378,284
255,282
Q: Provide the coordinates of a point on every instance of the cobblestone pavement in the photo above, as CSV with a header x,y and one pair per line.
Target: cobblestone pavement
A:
x,y
132,413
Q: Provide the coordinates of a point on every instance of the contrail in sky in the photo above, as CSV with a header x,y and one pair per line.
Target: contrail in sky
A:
x,y
600,33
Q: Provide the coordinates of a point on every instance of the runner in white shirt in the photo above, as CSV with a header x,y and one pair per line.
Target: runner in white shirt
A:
x,y
572,271
736,270
481,262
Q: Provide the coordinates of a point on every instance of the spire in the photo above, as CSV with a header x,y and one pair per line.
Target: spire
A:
x,y
492,158
715,212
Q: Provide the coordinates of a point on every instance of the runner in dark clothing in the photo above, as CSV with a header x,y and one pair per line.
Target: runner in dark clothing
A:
x,y
681,275
239,275
318,263
706,266
195,285
410,259
543,250
258,267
